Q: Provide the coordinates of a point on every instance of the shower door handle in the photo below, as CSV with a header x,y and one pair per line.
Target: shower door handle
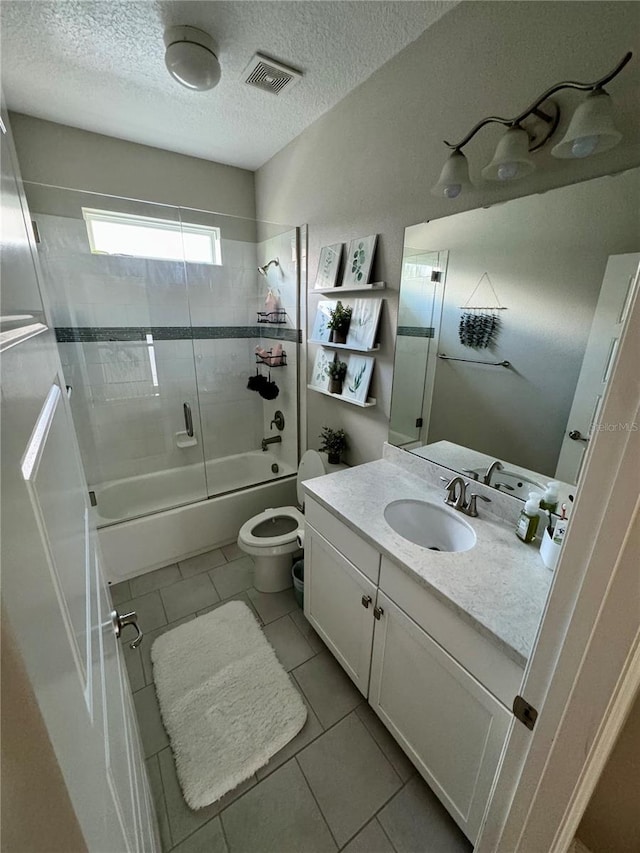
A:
x,y
120,622
188,419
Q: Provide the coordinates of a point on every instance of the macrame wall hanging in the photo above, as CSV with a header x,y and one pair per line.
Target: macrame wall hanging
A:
x,y
479,324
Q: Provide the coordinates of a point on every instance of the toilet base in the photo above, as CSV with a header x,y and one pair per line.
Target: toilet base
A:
x,y
272,574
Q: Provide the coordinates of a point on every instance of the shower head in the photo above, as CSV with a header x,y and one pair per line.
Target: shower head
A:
x,y
263,270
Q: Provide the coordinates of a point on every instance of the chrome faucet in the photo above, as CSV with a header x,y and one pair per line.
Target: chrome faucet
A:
x,y
495,466
276,439
457,496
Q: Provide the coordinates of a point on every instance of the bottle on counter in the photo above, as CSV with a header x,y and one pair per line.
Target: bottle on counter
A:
x,y
527,525
549,499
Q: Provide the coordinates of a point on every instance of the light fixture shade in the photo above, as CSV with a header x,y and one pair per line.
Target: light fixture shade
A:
x,y
191,59
591,129
511,160
454,177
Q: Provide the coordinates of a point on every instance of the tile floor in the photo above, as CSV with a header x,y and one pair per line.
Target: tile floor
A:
x,y
341,784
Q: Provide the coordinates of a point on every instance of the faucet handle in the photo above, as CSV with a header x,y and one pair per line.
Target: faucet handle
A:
x,y
472,509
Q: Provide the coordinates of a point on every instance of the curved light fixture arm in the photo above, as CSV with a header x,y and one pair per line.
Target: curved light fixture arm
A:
x,y
534,107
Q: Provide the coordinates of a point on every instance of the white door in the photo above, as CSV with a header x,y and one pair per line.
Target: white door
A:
x,y
339,602
599,357
54,598
451,727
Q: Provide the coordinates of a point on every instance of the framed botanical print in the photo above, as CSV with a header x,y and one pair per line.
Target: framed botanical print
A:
x,y
358,378
363,327
320,331
328,266
357,266
319,376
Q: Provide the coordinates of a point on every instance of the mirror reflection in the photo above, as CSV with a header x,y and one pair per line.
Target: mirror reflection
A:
x,y
508,325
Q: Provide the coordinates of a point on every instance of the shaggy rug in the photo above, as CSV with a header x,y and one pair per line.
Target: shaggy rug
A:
x,y
227,703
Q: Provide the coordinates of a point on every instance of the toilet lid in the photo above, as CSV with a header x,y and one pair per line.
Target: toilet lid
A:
x,y
311,465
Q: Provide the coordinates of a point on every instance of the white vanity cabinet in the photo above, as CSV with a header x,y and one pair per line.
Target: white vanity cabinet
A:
x,y
339,602
441,688
449,725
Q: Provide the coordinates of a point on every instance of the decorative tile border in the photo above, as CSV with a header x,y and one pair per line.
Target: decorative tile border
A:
x,y
96,334
416,331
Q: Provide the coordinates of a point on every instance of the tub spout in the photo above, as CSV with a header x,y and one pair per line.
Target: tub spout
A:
x,y
276,439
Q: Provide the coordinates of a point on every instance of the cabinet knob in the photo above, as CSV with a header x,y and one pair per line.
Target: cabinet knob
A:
x,y
366,600
378,612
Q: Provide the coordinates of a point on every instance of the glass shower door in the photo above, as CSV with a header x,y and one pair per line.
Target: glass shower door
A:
x,y
225,299
115,277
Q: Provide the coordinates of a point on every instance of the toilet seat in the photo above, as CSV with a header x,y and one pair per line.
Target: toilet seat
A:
x,y
273,545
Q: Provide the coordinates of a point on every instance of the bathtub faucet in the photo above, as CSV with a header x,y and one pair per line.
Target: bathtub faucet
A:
x,y
267,441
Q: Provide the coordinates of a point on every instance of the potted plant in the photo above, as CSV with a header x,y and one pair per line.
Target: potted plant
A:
x,y
338,322
337,370
334,443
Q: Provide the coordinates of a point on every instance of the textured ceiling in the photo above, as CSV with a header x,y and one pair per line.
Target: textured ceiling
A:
x,y
100,66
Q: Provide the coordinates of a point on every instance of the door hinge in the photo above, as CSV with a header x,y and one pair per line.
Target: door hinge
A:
x,y
436,275
377,612
36,233
418,423
92,498
366,601
525,712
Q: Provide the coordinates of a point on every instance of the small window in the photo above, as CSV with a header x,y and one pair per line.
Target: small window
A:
x,y
145,237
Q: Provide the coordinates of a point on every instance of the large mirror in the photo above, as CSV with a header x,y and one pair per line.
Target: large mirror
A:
x,y
508,324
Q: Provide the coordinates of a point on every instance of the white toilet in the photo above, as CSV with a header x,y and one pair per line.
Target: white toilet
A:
x,y
272,536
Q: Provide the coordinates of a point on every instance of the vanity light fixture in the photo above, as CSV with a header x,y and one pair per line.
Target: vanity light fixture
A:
x,y
591,130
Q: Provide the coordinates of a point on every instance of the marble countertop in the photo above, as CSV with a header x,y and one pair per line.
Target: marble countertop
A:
x,y
499,586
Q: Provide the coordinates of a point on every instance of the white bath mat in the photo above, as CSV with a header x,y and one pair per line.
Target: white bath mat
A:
x,y
227,703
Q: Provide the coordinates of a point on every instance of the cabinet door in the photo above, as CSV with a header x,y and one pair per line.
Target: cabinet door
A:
x,y
450,726
333,602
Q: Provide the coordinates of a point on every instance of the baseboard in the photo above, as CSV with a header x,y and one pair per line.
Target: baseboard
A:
x,y
577,846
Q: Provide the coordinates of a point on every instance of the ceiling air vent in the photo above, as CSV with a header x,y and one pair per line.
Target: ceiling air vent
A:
x,y
270,76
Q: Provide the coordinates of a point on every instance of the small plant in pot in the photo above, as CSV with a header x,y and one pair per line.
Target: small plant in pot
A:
x,y
338,322
334,443
337,370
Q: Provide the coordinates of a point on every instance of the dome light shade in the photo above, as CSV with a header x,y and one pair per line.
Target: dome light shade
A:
x,y
191,58
511,160
454,177
591,129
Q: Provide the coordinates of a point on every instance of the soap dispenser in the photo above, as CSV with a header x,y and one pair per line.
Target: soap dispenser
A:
x,y
550,497
527,525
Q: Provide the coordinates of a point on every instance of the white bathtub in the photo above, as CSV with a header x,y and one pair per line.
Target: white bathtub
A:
x,y
121,500
137,534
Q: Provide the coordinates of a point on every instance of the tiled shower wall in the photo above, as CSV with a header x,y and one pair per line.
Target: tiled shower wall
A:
x,y
203,323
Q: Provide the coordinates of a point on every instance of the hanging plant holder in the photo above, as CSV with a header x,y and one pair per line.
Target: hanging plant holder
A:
x,y
480,324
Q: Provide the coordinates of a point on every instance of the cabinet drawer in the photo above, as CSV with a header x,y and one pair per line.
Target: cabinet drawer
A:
x,y
356,550
500,675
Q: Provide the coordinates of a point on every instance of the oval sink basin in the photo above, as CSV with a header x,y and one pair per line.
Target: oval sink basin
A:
x,y
429,525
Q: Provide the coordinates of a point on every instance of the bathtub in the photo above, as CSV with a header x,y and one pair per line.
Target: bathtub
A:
x,y
138,534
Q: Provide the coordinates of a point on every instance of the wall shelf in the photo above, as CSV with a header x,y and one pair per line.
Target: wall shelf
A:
x,y
371,401
343,346
362,288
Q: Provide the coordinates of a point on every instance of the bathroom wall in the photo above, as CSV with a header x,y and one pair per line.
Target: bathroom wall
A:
x,y
368,164
62,156
610,821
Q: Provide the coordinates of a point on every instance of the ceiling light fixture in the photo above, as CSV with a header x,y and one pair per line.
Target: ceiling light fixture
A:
x,y
590,131
191,58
